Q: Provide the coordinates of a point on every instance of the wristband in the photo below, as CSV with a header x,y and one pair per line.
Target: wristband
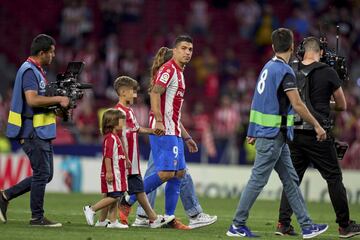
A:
x,y
187,139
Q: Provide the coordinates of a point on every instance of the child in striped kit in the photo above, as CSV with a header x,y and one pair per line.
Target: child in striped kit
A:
x,y
113,170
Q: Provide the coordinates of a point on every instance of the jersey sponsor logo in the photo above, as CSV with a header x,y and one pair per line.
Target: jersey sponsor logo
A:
x,y
180,93
164,77
121,157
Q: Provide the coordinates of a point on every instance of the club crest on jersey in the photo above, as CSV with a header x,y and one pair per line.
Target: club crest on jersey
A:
x,y
164,77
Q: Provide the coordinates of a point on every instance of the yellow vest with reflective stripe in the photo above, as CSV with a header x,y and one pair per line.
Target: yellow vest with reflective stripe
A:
x,y
44,122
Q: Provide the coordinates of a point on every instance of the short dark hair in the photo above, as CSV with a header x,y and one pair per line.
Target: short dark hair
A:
x,y
282,39
182,38
311,44
41,42
110,120
125,81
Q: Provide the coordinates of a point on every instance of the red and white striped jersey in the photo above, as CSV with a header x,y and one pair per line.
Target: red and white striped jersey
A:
x,y
170,76
112,149
131,138
142,113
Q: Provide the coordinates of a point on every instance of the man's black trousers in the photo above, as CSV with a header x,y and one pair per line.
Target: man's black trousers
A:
x,y
306,151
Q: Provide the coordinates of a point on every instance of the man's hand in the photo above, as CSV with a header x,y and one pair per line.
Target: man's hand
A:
x,y
109,177
159,128
250,140
320,133
191,145
155,132
64,101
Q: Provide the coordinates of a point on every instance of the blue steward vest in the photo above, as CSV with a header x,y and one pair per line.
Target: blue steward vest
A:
x,y
265,117
44,122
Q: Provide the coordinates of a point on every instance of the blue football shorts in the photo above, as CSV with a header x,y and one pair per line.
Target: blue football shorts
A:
x,y
168,152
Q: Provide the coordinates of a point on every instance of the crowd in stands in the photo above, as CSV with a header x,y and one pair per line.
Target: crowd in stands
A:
x,y
231,43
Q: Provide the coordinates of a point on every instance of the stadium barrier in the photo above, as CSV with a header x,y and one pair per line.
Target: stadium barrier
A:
x,y
81,174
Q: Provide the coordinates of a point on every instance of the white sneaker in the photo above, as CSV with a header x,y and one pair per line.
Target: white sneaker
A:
x,y
89,215
141,222
201,220
161,221
102,224
116,224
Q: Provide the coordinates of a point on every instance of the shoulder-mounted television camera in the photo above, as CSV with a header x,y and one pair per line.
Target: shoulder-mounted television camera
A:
x,y
67,84
329,56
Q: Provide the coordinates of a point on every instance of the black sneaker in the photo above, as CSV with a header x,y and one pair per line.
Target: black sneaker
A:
x,y
352,230
3,207
282,230
44,222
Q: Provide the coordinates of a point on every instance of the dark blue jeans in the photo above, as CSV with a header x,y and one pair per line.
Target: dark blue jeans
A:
x,y
40,153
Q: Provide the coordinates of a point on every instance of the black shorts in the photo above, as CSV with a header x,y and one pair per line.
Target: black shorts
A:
x,y
116,194
135,184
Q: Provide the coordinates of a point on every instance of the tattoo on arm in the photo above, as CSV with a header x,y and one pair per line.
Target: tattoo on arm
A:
x,y
158,89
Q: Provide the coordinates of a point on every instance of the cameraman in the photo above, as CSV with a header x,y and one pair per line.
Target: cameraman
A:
x,y
34,127
323,82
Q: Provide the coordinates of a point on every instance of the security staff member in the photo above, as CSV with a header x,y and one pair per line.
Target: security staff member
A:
x,y
270,125
323,82
34,127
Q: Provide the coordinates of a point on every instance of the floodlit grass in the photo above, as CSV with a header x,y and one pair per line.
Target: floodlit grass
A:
x,y
67,209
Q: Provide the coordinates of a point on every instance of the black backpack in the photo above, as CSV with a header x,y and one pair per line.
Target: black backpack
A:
x,y
303,78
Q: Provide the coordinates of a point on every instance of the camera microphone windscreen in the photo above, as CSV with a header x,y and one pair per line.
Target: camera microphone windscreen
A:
x,y
84,86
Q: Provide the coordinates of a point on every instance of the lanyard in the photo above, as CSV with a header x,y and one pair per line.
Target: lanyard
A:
x,y
38,66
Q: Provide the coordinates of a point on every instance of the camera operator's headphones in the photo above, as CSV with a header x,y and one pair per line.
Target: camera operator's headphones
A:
x,y
300,52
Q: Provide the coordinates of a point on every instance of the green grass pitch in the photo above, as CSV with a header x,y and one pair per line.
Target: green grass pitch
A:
x,y
67,208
